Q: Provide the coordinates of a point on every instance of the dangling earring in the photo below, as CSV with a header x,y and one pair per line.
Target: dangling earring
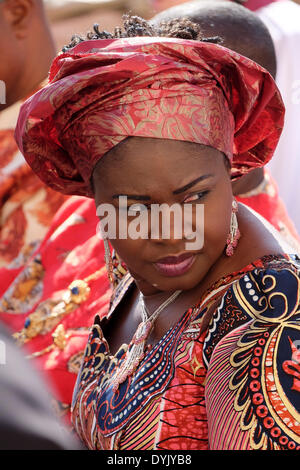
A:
x,y
108,261
234,234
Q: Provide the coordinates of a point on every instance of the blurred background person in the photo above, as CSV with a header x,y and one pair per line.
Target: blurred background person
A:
x,y
283,21
160,5
69,256
46,245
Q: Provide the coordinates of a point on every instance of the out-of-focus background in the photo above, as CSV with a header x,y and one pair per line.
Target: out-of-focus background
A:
x,y
68,17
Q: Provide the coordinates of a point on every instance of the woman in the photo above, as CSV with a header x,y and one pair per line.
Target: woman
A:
x,y
199,347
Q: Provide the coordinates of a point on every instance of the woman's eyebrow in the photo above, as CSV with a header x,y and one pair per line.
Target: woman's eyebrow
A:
x,y
192,183
144,197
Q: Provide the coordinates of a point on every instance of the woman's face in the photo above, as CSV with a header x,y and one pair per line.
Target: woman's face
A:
x,y
160,172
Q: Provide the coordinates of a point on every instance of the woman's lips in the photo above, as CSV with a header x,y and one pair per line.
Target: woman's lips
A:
x,y
175,265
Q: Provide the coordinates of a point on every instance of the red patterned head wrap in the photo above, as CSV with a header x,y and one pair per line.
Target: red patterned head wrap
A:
x,y
103,91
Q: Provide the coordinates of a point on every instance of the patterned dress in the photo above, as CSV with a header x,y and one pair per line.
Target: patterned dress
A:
x,y
71,251
234,385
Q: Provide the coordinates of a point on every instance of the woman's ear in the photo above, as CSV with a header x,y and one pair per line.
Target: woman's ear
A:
x,y
227,164
18,15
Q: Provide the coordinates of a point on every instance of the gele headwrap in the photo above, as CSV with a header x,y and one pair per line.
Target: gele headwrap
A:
x,y
102,91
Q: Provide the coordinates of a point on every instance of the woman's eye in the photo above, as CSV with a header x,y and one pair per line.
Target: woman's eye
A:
x,y
196,197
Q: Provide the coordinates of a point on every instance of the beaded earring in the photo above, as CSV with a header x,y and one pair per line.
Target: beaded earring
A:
x,y
234,234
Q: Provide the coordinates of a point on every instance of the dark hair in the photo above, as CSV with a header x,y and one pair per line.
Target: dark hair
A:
x,y
135,26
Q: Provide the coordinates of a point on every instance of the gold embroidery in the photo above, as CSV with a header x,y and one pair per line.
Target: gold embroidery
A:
x,y
51,312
